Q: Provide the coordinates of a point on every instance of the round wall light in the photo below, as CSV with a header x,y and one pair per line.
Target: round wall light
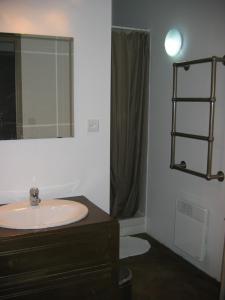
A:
x,y
173,42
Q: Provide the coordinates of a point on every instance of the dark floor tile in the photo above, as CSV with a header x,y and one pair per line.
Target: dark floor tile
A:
x,y
160,274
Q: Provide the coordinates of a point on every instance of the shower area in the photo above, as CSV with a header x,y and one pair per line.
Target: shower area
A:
x,y
129,127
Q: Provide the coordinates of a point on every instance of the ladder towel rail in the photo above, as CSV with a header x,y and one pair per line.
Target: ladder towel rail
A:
x,y
211,100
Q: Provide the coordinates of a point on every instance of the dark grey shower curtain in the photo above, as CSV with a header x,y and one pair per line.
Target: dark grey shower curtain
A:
x,y
129,104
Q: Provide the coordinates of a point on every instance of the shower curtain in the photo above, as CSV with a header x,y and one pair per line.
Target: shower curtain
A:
x,y
129,105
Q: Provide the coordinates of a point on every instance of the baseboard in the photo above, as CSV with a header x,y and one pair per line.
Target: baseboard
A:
x,y
132,226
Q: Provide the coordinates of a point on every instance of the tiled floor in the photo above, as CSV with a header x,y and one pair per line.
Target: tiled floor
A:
x,y
162,275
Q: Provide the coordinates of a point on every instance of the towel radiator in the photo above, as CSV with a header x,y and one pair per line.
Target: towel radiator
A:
x,y
211,100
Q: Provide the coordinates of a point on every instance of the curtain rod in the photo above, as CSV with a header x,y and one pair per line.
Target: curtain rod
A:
x,y
130,28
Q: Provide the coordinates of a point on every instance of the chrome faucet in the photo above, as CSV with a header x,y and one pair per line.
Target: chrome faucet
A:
x,y
34,196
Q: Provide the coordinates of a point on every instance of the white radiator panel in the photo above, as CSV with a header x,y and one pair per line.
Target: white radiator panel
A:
x,y
191,229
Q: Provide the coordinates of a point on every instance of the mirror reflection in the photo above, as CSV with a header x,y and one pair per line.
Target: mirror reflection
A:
x,y
36,87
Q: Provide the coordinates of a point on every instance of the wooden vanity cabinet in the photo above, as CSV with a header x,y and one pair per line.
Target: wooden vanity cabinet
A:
x,y
75,261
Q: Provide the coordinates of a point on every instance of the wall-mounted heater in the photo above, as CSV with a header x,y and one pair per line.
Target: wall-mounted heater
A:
x,y
191,229
211,100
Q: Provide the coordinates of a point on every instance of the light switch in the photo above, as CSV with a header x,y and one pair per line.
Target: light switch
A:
x,y
93,125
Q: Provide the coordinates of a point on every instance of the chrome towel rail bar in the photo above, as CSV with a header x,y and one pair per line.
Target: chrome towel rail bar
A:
x,y
193,100
211,100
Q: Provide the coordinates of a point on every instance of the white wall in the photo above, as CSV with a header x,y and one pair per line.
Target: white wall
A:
x,y
203,26
83,160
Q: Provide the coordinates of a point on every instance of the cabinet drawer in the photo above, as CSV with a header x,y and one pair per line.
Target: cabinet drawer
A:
x,y
83,249
91,284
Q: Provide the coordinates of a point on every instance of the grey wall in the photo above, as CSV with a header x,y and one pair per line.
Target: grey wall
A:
x,y
202,24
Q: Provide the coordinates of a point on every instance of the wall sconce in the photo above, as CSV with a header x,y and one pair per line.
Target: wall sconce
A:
x,y
173,42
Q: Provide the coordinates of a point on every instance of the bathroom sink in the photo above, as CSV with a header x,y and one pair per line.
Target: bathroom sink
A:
x,y
49,213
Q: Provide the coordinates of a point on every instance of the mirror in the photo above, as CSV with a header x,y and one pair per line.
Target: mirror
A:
x,y
36,86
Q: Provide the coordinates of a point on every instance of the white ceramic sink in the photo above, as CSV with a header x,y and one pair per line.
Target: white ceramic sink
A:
x,y
49,213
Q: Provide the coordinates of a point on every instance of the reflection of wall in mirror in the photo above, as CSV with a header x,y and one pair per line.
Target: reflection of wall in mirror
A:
x,y
45,71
